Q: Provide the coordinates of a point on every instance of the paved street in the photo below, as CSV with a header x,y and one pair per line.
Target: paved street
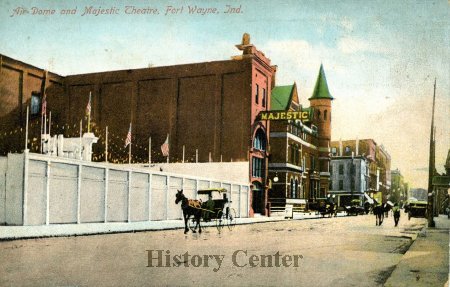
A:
x,y
345,251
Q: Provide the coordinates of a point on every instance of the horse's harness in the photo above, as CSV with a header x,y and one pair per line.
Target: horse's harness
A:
x,y
192,203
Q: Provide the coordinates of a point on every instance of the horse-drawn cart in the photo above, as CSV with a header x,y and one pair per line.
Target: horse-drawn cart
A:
x,y
216,210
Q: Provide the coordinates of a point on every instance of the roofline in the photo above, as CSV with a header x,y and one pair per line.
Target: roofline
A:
x,y
161,67
349,140
3,56
294,86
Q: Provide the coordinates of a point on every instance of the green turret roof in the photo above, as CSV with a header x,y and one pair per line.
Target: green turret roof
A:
x,y
280,98
321,89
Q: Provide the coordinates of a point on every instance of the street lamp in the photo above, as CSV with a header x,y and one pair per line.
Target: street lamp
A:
x,y
275,179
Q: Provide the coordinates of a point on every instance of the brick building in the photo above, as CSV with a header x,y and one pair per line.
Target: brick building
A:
x,y
209,109
300,149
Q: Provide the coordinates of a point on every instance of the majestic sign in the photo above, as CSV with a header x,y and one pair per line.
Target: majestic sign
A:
x,y
285,115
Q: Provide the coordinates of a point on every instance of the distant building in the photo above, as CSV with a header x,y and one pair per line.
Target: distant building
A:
x,y
441,188
349,178
399,188
418,193
379,162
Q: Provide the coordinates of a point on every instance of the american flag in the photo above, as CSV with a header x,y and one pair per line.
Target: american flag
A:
x,y
165,147
128,139
88,107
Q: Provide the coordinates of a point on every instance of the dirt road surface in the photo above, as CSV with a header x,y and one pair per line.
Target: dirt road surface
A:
x,y
346,251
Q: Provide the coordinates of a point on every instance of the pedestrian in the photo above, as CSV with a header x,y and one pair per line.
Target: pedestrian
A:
x,y
209,208
396,211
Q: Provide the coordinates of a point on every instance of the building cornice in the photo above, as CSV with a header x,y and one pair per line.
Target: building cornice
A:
x,y
286,165
293,137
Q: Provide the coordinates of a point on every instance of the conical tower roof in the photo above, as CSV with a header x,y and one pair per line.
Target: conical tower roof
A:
x,y
321,89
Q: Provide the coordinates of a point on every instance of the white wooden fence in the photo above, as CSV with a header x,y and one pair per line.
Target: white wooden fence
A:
x,y
37,189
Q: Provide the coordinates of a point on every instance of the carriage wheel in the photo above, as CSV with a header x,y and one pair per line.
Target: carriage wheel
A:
x,y
219,220
231,219
192,224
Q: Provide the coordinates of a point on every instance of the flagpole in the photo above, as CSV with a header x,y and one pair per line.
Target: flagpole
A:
x,y
42,122
89,114
106,145
129,150
168,152
149,150
26,132
45,123
81,143
49,122
183,154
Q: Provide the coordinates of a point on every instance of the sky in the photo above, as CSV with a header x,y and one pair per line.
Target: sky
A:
x,y
380,57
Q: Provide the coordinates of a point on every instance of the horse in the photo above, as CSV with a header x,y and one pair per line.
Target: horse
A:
x,y
386,208
190,207
328,209
378,211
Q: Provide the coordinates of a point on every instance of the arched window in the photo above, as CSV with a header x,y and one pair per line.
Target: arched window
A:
x,y
259,142
325,115
318,114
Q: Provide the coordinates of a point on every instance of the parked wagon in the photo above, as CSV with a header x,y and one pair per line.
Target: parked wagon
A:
x,y
216,210
355,208
417,209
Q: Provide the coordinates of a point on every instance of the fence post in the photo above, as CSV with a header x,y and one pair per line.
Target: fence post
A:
x,y
79,194
150,196
47,189
129,197
167,196
106,194
25,188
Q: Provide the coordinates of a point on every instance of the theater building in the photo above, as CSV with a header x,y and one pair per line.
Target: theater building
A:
x,y
209,110
299,160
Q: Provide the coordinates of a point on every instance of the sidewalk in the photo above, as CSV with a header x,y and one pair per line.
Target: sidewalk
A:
x,y
53,230
426,263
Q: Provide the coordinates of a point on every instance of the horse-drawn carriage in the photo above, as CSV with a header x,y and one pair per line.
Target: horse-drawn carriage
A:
x,y
217,210
355,208
213,210
417,209
327,208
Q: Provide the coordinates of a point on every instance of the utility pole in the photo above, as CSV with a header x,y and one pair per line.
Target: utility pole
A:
x,y
431,166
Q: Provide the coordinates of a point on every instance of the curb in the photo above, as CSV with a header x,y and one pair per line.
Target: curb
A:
x,y
176,226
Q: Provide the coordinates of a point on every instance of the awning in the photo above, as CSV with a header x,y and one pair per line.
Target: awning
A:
x,y
368,198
